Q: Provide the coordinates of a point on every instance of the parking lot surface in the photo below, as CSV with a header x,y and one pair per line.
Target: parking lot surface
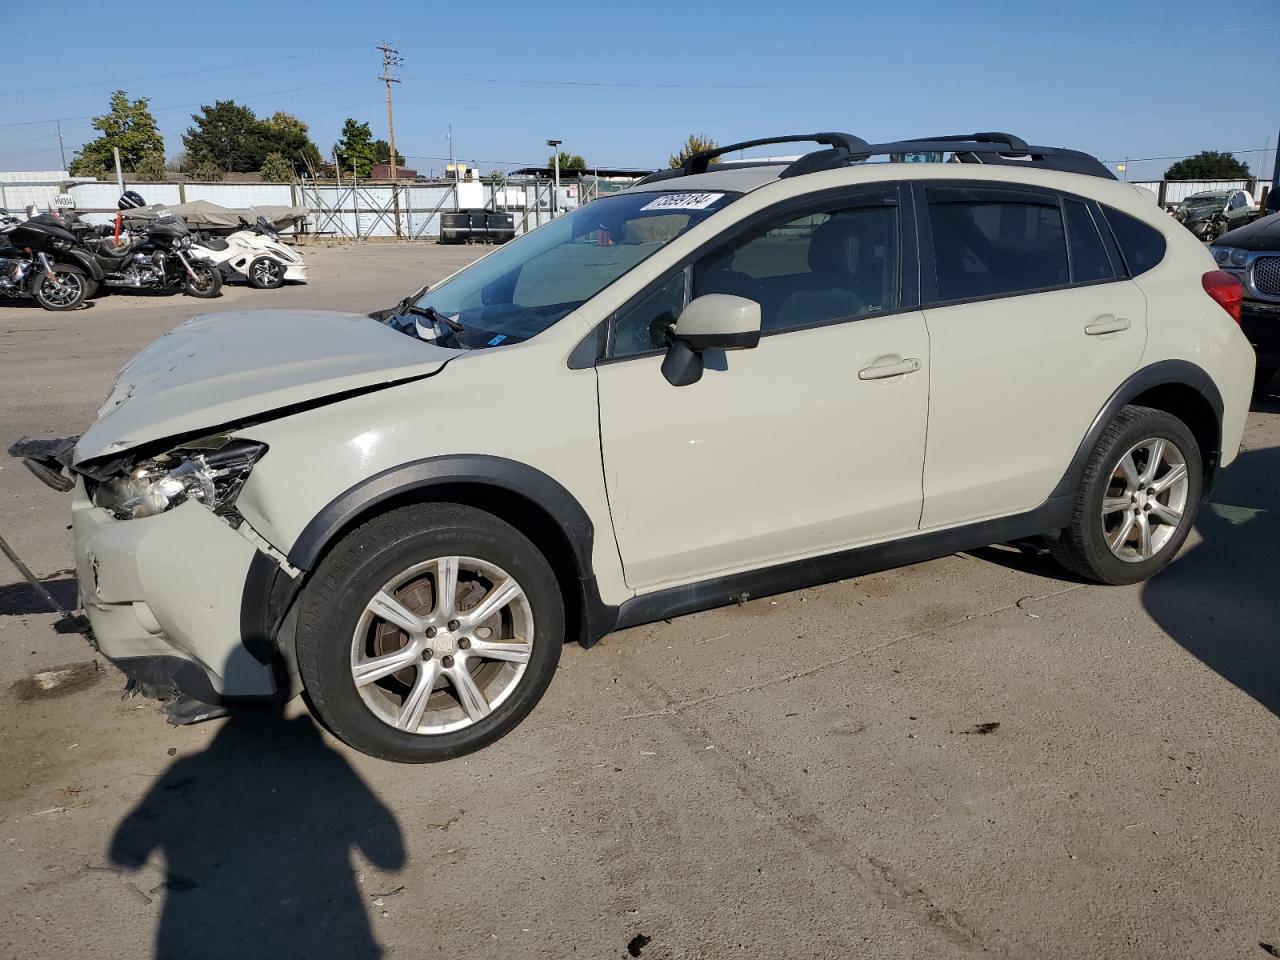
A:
x,y
973,756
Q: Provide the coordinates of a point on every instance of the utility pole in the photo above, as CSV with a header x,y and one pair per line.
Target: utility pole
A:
x,y
62,150
390,58
555,196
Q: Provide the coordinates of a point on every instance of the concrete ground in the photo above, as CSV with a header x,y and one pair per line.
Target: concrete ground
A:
x,y
977,755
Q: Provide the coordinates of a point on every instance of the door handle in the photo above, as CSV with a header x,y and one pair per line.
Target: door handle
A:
x,y
1106,324
892,366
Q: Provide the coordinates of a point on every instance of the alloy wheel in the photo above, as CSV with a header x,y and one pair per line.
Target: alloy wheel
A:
x,y
266,272
1145,499
442,645
62,292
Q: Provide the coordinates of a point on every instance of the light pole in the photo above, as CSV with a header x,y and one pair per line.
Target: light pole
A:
x,y
555,196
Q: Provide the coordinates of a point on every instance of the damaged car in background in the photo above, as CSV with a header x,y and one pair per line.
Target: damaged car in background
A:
x,y
408,514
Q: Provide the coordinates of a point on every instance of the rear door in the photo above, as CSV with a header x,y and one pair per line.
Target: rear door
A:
x,y
1032,325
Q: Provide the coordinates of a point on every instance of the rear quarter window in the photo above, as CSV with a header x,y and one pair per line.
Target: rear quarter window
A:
x,y
1142,246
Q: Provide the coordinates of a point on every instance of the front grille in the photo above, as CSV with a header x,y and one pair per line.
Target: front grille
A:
x,y
1266,275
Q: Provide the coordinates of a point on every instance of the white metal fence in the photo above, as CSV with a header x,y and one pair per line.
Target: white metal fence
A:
x,y
341,209
1175,191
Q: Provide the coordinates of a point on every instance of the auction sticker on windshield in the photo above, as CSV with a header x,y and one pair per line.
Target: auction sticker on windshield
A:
x,y
683,201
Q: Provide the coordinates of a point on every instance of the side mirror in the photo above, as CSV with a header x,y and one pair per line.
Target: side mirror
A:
x,y
714,321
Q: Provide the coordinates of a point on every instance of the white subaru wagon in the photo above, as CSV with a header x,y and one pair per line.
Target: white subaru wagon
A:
x,y
919,357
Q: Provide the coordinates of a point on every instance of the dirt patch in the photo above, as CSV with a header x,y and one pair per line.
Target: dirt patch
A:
x,y
58,681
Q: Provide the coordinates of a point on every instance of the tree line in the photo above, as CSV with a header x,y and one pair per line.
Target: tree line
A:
x,y
229,137
226,137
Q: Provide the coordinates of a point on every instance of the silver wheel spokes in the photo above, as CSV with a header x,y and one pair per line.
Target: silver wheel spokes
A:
x,y
1145,500
442,644
267,271
63,291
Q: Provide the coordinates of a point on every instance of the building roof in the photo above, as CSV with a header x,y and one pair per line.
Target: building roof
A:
x,y
603,172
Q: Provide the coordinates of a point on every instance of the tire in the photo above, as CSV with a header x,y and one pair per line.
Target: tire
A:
x,y
1084,547
212,286
340,632
265,273
73,286
1262,381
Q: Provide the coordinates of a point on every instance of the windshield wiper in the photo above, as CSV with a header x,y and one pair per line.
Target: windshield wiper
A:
x,y
436,317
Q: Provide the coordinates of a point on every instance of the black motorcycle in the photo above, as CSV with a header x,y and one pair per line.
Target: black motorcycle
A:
x,y
38,260
156,256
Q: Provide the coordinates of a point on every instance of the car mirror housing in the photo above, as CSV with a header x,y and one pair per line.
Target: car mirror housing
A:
x,y
714,321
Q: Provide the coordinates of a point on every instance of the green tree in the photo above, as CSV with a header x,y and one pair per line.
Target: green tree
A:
x,y
205,171
276,169
382,153
694,143
1208,165
150,169
285,134
355,148
568,161
228,135
127,125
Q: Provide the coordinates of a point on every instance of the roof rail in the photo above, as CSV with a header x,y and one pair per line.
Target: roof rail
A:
x,y
845,148
845,143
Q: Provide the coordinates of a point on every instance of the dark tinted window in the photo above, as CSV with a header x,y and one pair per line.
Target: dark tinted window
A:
x,y
1088,257
647,325
988,248
1141,246
811,269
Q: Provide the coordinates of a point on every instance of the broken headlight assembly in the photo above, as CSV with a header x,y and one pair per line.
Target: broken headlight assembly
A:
x,y
209,472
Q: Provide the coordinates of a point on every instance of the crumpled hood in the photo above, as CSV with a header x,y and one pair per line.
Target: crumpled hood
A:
x,y
216,370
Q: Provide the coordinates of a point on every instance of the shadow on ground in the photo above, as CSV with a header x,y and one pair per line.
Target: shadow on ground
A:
x,y
256,834
20,599
1221,599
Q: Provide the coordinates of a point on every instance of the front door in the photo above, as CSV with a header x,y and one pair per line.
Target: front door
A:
x,y
812,441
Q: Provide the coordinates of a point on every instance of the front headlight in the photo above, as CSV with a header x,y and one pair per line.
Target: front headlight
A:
x,y
209,475
1221,254
1238,257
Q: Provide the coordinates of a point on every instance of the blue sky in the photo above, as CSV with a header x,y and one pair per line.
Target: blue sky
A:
x,y
622,85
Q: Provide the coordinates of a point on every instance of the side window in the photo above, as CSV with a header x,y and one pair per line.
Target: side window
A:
x,y
989,248
647,325
1089,261
1142,246
809,270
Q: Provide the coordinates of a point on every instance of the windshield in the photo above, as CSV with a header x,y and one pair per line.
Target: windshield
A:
x,y
1204,201
531,283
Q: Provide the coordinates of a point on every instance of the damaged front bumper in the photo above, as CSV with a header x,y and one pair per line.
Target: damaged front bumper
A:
x,y
165,596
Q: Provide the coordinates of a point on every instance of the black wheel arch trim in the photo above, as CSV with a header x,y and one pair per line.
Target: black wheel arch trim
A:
x,y
479,469
1158,374
269,591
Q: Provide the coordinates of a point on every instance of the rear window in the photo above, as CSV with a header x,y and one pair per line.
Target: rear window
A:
x,y
1142,246
988,248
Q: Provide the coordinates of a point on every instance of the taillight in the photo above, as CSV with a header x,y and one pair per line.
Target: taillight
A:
x,y
1226,290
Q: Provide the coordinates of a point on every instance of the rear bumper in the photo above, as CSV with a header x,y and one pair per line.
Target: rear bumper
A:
x,y
164,596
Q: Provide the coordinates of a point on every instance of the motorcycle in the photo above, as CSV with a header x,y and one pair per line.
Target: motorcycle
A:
x,y
34,262
158,256
256,254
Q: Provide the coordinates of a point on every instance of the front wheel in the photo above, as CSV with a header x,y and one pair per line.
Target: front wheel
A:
x,y
1137,501
429,632
66,291
266,273
206,282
